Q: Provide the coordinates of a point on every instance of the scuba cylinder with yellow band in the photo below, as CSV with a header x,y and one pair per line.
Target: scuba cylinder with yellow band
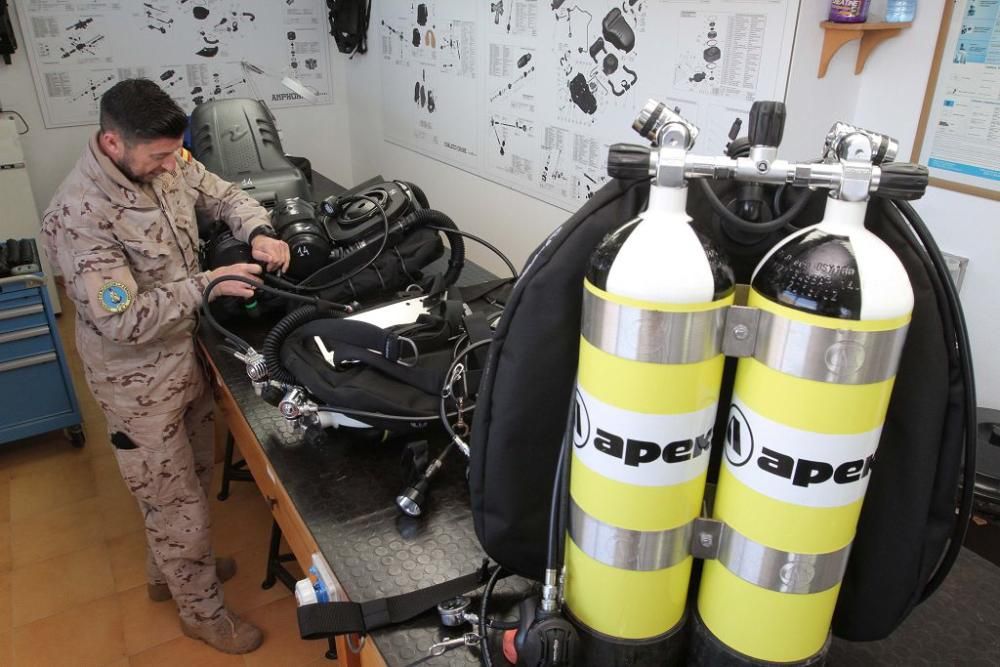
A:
x,y
654,302
831,304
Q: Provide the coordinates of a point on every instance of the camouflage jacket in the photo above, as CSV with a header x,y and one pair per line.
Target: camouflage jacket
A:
x,y
129,256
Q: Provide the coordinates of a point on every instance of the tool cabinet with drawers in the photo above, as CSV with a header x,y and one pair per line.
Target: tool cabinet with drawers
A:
x,y
36,390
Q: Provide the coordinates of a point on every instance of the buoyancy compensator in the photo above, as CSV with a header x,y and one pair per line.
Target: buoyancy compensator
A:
x,y
835,280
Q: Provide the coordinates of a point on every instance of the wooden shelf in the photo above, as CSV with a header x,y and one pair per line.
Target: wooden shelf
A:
x,y
871,35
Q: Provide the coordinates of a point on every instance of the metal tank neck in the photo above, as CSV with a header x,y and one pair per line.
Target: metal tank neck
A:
x,y
667,199
844,213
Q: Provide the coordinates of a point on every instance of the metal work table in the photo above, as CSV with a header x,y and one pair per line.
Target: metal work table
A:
x,y
337,499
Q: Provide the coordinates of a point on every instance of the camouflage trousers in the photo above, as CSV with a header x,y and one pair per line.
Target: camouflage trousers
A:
x,y
166,460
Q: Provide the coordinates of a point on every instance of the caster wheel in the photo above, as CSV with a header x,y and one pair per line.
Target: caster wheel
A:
x,y
76,436
268,583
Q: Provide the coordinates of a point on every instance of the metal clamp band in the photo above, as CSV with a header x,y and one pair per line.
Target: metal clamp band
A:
x,y
836,356
652,335
626,549
773,569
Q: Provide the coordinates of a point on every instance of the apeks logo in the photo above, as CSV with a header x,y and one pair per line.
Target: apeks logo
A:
x,y
640,448
752,450
633,452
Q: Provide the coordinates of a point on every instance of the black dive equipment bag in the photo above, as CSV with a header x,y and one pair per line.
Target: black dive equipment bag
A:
x,y
909,529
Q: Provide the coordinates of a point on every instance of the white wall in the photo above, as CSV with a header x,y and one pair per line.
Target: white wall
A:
x,y
344,141
319,133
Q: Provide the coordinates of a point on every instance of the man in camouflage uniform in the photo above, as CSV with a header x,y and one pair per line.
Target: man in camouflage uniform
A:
x,y
122,229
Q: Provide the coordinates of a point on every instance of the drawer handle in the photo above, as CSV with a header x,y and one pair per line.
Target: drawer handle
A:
x,y
21,312
36,281
24,333
26,362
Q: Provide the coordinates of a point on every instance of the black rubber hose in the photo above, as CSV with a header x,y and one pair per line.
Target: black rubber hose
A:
x,y
559,490
484,643
277,335
431,218
232,337
752,227
419,194
489,246
968,379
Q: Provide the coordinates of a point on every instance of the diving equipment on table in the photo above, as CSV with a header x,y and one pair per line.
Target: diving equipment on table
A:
x,y
826,330
364,245
377,372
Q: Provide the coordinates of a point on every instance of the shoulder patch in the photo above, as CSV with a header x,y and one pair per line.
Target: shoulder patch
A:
x,y
185,155
114,297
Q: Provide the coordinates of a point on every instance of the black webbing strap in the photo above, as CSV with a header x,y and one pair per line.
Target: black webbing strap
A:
x,y
475,292
478,330
359,334
326,619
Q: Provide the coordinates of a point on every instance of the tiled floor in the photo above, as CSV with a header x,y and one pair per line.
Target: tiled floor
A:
x,y
72,583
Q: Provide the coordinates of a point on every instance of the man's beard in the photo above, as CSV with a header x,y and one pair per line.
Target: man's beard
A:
x,y
124,166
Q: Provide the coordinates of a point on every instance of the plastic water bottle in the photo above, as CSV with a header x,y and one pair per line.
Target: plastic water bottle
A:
x,y
900,11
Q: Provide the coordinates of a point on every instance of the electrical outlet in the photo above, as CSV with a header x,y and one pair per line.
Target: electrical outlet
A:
x,y
957,267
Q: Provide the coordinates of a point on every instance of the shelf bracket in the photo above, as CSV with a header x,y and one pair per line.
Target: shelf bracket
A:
x,y
871,35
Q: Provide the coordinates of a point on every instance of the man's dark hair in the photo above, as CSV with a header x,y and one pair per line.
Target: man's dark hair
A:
x,y
139,110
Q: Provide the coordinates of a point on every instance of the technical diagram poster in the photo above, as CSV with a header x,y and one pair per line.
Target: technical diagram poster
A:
x,y
962,140
195,49
531,93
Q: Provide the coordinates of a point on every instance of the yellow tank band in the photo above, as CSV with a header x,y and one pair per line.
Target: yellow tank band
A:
x,y
809,405
636,507
655,305
622,603
648,387
783,525
757,300
766,625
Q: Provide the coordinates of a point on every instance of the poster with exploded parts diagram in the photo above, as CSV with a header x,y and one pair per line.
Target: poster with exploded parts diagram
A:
x,y
197,50
531,93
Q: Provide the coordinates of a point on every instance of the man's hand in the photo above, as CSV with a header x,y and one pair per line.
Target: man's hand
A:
x,y
272,252
235,287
